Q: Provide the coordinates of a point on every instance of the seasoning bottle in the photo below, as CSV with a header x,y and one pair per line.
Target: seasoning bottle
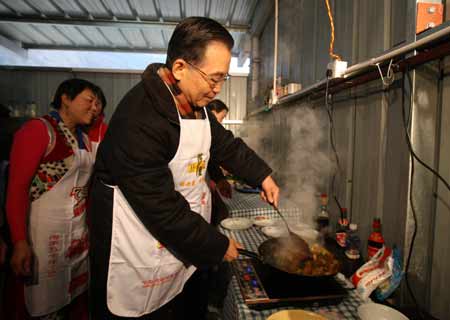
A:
x,y
353,242
341,228
376,240
323,218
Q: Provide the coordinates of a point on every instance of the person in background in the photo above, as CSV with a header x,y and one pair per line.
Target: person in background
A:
x,y
50,166
97,130
219,109
218,181
150,204
218,275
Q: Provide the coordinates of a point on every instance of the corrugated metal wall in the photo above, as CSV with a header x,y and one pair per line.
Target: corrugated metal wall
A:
x,y
24,86
370,139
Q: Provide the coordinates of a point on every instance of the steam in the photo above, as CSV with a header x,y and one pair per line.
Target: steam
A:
x,y
295,143
309,164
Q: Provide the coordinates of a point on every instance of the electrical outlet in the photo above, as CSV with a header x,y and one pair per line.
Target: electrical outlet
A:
x,y
337,68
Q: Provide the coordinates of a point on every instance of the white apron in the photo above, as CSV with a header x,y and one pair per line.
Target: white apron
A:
x,y
142,274
59,238
95,143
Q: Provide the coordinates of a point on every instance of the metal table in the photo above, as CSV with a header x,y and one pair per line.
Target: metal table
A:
x,y
250,205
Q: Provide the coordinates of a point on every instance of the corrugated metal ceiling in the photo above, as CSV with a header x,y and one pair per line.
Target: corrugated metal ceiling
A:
x,y
125,25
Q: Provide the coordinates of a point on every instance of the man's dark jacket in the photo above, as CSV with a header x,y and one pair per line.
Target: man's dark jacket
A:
x,y
142,138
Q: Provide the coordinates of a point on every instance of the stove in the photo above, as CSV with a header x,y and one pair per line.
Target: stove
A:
x,y
264,287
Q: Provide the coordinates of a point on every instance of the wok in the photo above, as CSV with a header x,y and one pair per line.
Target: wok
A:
x,y
292,255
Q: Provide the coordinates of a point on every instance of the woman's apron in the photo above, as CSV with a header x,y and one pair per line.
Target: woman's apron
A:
x,y
59,238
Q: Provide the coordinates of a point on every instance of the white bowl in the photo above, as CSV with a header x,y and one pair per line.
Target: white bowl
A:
x,y
275,231
376,311
263,221
236,223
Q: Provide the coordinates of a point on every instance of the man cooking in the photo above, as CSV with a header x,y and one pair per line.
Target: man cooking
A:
x,y
150,205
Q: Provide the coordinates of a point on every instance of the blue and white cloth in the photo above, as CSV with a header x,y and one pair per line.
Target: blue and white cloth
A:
x,y
248,206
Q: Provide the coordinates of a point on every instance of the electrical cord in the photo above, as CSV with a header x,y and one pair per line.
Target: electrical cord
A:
x,y
330,17
330,111
406,125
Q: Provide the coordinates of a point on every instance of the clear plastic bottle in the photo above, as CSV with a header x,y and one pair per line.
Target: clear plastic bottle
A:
x,y
353,242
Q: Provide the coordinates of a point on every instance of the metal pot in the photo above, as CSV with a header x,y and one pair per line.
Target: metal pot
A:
x,y
285,254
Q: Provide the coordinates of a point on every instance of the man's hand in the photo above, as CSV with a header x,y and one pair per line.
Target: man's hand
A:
x,y
224,188
232,252
270,192
21,258
3,249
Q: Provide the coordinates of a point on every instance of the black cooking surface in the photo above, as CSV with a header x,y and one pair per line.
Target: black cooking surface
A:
x,y
265,287
278,284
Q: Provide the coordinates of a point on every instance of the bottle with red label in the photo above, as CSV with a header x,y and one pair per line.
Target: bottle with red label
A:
x,y
342,228
376,240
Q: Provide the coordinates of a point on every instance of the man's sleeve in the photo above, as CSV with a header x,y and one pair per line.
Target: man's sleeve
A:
x,y
215,172
139,165
235,156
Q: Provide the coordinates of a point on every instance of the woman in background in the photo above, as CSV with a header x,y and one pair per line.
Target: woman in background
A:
x,y
97,130
50,166
218,181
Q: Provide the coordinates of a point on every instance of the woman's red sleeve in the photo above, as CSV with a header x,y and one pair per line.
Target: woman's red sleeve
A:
x,y
29,147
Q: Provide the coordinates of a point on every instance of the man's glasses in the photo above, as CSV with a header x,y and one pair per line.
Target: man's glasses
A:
x,y
213,81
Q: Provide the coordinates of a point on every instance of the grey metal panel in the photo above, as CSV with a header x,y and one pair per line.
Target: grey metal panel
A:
x,y
95,8
344,126
234,95
308,53
25,86
170,9
31,32
114,36
94,35
14,32
146,9
119,8
71,8
371,17
424,121
220,10
77,37
238,97
5,10
398,21
20,6
366,164
243,12
46,7
396,173
440,278
289,42
343,21
322,35
134,37
54,34
196,7
266,52
155,38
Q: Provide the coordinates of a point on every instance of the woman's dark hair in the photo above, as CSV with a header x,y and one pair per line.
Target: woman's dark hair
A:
x,y
191,37
71,88
100,95
217,106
